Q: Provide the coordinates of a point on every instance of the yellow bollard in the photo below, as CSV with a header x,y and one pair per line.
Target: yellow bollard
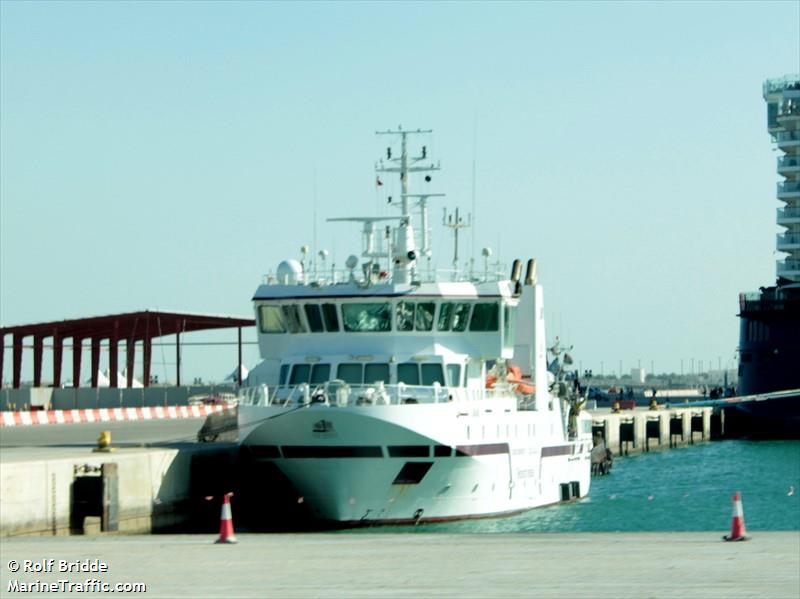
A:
x,y
653,404
104,442
615,407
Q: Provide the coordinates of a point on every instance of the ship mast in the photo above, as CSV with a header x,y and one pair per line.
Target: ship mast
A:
x,y
404,165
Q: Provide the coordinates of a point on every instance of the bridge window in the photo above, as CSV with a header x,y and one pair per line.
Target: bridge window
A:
x,y
453,316
454,375
376,372
410,316
460,317
485,317
432,373
350,373
270,319
405,316
300,373
284,374
330,317
369,318
424,319
291,315
320,373
445,314
314,317
408,373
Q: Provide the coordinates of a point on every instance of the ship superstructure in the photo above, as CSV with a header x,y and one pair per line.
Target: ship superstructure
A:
x,y
393,393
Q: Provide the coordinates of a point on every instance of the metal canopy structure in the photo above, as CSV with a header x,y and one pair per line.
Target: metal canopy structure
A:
x,y
130,328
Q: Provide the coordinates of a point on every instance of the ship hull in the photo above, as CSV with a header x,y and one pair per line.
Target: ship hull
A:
x,y
401,464
769,354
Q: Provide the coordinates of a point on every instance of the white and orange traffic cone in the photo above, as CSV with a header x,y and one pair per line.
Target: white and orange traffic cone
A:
x,y
225,521
737,524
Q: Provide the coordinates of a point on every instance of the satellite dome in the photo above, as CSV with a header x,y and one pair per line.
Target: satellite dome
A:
x,y
290,272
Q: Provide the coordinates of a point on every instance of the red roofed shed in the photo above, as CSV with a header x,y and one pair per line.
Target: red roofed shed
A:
x,y
131,328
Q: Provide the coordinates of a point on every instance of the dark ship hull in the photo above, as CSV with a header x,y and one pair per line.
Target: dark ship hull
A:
x,y
769,361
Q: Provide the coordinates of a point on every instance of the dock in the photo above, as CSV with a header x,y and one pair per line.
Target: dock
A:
x,y
637,430
380,565
54,482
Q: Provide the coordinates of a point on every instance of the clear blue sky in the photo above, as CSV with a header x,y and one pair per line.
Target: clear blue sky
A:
x,y
165,154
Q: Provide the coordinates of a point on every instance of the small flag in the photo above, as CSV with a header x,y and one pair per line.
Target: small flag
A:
x,y
378,181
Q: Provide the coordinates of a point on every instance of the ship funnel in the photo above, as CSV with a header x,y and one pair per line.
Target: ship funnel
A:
x,y
530,272
516,270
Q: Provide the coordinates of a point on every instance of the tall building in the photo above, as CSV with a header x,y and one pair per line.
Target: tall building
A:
x,y
769,335
783,123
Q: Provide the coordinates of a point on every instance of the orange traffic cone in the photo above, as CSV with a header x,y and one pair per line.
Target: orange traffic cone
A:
x,y
737,524
225,521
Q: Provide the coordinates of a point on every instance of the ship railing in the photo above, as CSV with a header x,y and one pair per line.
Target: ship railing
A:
x,y
494,274
342,394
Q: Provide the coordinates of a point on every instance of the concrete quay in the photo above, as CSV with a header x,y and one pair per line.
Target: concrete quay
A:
x,y
72,489
642,429
377,565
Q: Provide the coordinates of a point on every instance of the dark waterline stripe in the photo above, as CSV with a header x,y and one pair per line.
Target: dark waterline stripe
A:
x,y
332,451
409,451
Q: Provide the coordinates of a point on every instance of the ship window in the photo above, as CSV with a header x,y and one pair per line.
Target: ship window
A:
x,y
376,372
412,473
331,319
300,374
271,319
460,317
454,375
291,315
484,317
320,373
424,319
445,314
284,374
359,318
349,373
313,317
408,373
509,325
432,373
405,316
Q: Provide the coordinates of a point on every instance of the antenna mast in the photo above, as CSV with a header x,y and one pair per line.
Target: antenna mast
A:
x,y
403,164
455,224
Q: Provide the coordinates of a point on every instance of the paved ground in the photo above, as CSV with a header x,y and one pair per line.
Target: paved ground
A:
x,y
596,565
85,434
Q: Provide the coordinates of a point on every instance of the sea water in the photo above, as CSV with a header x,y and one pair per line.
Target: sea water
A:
x,y
688,488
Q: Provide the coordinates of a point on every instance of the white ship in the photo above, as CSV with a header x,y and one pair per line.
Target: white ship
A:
x,y
395,395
